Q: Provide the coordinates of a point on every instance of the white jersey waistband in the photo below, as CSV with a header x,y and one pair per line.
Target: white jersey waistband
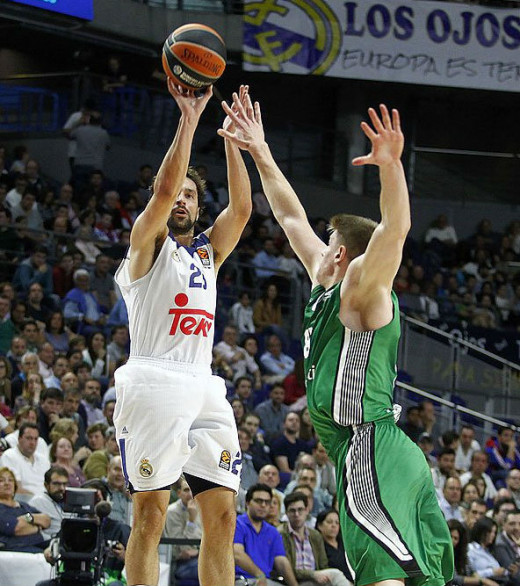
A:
x,y
168,364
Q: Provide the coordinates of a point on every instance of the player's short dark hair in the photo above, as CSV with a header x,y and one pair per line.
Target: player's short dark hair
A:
x,y
200,184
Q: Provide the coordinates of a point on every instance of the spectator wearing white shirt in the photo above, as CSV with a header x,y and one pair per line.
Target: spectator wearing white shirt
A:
x,y
466,448
27,464
238,359
450,500
477,469
241,314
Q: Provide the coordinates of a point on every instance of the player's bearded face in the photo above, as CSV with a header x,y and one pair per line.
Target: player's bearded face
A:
x,y
181,220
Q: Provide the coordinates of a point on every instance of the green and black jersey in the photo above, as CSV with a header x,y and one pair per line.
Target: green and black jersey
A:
x,y
349,375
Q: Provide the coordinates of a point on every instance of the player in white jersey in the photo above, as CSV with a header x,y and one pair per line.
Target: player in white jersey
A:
x,y
171,414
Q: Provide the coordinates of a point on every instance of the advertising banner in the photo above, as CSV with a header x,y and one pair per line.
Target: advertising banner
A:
x,y
429,43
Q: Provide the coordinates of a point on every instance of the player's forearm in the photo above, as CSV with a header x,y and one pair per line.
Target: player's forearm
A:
x,y
175,163
238,182
394,200
281,196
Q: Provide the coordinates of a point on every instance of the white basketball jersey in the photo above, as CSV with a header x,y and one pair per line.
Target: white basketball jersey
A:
x,y
171,309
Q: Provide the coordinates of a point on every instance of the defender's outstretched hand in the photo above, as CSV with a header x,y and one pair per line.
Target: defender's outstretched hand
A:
x,y
247,119
387,139
228,124
188,102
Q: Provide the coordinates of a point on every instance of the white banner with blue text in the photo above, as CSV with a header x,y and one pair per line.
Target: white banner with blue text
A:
x,y
407,41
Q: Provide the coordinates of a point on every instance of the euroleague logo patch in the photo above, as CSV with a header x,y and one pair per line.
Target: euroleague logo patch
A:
x,y
145,469
271,42
204,256
225,460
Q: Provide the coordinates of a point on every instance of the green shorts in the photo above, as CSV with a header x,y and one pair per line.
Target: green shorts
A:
x,y
391,523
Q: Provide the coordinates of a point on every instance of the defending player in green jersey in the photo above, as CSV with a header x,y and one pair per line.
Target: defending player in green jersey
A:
x,y
392,526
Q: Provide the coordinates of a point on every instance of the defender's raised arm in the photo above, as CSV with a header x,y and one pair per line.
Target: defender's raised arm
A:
x,y
287,209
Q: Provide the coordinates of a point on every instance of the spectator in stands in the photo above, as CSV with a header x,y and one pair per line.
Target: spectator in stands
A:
x,y
32,388
7,327
102,448
306,475
506,549
92,142
57,333
249,475
79,118
34,270
241,314
258,546
28,365
275,363
413,424
450,501
81,307
503,455
502,506
91,393
470,493
327,523
477,470
46,356
96,356
266,261
485,315
118,349
513,484
476,511
272,412
444,469
237,358
49,410
244,392
481,560
183,522
239,411
119,314
275,511
36,308
33,335
442,232
102,283
105,229
62,274
325,469
14,195
26,463
258,448
119,496
5,386
466,448
267,311
20,523
28,210
62,456
287,447
311,567
50,502
270,475
429,419
459,538
30,415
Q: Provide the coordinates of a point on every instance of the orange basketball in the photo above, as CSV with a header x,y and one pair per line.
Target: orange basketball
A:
x,y
194,56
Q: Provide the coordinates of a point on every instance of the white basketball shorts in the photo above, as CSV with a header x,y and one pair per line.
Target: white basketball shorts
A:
x,y
172,418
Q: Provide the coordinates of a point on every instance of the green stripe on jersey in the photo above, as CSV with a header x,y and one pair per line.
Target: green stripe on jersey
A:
x,y
349,375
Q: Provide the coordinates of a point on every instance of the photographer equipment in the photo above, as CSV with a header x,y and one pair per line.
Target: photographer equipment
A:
x,y
81,547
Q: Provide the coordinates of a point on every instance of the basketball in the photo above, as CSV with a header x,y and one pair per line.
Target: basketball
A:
x,y
194,56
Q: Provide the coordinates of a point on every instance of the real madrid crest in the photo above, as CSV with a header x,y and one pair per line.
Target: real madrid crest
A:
x,y
145,469
175,256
